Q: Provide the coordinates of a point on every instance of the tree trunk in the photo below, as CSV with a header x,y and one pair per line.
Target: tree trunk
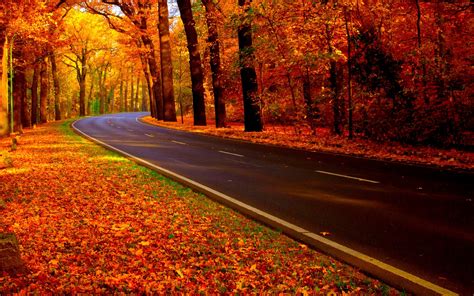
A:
x,y
89,97
43,91
34,94
135,102
82,74
155,75
215,61
169,109
252,114
195,66
19,98
25,111
148,83
144,98
334,85
423,59
349,72
57,94
121,94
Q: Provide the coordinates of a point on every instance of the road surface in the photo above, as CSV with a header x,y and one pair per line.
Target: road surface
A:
x,y
418,219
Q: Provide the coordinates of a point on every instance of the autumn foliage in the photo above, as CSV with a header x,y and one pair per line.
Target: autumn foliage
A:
x,y
379,70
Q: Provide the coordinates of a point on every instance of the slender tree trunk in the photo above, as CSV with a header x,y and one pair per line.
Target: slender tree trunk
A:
x,y
25,113
215,61
19,98
57,90
135,103
125,96
252,114
132,92
82,74
144,98
34,94
102,90
121,95
155,75
169,109
349,71
195,66
149,85
423,59
89,97
43,91
334,85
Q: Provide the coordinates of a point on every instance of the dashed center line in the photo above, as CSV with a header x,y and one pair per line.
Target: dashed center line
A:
x,y
148,135
230,153
348,177
178,142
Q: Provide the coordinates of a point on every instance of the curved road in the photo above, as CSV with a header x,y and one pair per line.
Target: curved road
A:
x,y
418,219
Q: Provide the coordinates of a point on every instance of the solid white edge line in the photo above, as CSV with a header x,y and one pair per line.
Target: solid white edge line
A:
x,y
178,142
348,177
230,153
408,277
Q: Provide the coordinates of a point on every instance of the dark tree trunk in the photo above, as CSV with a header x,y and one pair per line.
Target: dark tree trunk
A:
x,y
169,109
43,92
34,94
215,61
195,66
57,90
135,102
148,84
349,72
125,96
121,95
335,85
25,110
423,59
312,111
155,76
252,114
81,77
144,98
19,98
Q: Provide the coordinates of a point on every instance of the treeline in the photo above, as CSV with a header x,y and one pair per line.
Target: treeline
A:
x,y
384,70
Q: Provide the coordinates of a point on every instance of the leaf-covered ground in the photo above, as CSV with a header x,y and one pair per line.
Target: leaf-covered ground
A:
x,y
90,221
325,141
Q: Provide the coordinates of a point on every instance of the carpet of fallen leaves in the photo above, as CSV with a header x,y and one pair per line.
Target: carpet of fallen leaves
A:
x,y
90,221
325,141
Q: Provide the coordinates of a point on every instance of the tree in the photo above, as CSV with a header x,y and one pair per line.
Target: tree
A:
x,y
252,115
215,62
197,76
169,110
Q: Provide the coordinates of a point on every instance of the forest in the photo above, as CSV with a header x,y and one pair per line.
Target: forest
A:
x,y
396,71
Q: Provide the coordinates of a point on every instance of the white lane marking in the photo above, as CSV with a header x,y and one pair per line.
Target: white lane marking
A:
x,y
348,177
148,135
381,268
230,153
118,127
178,142
130,130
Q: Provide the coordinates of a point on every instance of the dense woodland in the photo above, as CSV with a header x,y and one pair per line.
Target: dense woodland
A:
x,y
383,70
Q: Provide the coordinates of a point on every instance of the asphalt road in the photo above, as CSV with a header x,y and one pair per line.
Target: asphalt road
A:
x,y
418,219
